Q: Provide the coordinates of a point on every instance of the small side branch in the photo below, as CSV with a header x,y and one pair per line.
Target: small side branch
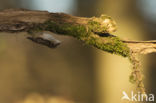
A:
x,y
142,47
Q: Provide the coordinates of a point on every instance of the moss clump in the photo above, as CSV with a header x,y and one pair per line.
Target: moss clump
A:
x,y
96,27
132,79
87,34
110,44
77,31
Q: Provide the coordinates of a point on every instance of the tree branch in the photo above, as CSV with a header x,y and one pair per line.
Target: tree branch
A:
x,y
93,31
142,47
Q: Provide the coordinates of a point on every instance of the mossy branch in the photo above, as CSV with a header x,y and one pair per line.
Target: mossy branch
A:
x,y
95,31
92,31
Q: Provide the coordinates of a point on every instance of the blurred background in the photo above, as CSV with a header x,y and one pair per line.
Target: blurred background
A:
x,y
73,72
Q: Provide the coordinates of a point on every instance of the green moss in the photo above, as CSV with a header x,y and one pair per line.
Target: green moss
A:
x,y
96,27
132,79
86,33
66,29
110,44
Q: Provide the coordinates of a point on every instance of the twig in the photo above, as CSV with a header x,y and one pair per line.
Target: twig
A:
x,y
142,47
